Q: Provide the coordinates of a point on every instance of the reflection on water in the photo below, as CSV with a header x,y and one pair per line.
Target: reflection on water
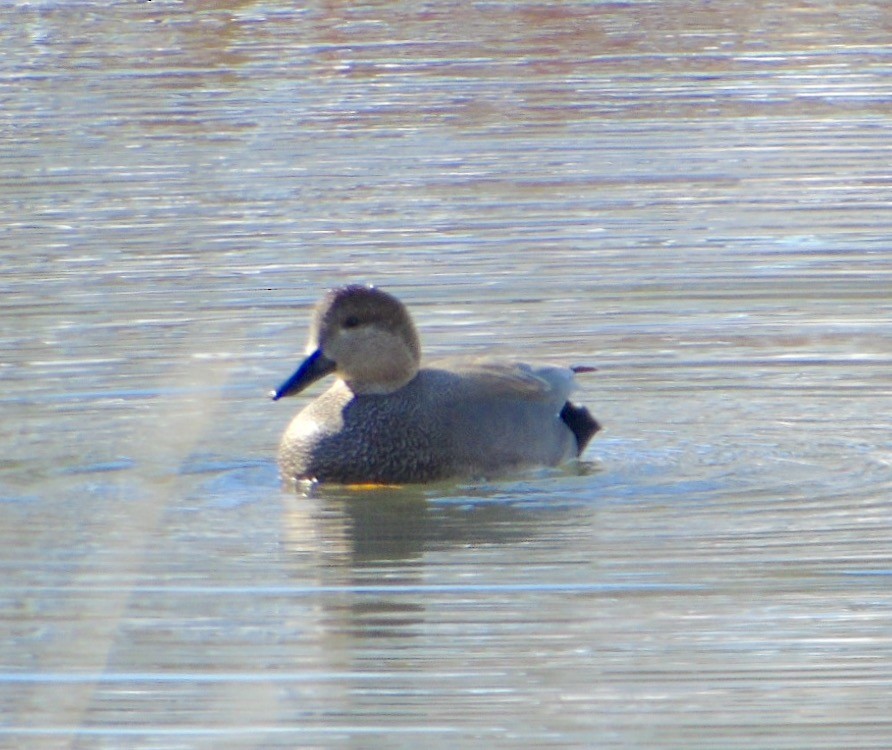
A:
x,y
362,528
693,197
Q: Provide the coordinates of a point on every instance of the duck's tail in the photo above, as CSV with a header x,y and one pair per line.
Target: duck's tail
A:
x,y
581,423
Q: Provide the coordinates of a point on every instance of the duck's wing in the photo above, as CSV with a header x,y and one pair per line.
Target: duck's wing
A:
x,y
510,379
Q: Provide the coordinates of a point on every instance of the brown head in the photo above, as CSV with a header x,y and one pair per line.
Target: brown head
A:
x,y
365,336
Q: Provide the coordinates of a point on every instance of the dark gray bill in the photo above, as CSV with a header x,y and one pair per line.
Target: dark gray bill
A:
x,y
316,366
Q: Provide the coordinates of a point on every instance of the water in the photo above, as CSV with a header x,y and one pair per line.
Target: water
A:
x,y
692,197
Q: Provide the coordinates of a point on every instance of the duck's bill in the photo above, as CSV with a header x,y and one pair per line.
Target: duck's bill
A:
x,y
314,367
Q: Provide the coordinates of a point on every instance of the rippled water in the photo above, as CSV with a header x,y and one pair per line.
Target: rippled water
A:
x,y
694,197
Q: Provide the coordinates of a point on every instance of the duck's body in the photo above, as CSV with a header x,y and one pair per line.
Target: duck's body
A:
x,y
387,421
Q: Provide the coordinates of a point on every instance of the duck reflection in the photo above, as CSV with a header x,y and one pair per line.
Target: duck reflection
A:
x,y
360,528
374,553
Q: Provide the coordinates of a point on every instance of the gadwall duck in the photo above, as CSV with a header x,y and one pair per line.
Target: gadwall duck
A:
x,y
386,420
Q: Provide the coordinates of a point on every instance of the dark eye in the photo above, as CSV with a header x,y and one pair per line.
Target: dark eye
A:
x,y
351,321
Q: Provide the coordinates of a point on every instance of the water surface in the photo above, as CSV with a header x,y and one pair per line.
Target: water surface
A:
x,y
693,197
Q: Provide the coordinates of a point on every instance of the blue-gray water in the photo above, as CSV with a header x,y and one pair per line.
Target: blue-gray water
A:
x,y
693,197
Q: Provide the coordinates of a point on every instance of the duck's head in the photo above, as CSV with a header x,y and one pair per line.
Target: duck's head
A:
x,y
363,335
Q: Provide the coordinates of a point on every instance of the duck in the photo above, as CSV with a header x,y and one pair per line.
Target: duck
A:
x,y
388,420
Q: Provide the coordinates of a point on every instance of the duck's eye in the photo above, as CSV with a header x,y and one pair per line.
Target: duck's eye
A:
x,y
351,321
